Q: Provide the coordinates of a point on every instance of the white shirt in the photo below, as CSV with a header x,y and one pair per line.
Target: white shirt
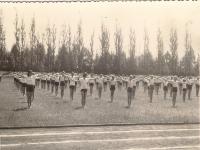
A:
x,y
134,82
130,83
47,78
184,85
23,80
30,81
84,83
113,82
62,78
57,79
165,83
197,82
175,84
151,82
72,81
100,81
190,81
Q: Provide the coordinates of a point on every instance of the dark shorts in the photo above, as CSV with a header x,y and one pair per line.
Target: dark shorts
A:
x,y
72,87
165,88
84,90
23,85
112,87
129,89
56,83
169,84
48,82
91,84
62,83
105,83
151,87
145,83
174,89
189,87
30,88
184,89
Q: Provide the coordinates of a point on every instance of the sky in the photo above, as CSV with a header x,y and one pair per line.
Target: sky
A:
x,y
135,15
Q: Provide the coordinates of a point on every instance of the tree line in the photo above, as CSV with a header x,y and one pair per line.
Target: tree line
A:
x,y
73,55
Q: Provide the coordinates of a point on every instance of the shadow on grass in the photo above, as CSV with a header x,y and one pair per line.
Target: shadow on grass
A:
x,y
127,107
22,102
21,109
79,107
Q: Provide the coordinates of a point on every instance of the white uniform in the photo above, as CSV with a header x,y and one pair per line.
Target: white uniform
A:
x,y
30,81
84,83
100,82
113,82
175,84
57,79
184,85
72,81
130,83
62,79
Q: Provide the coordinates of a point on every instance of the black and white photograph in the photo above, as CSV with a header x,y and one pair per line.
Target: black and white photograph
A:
x,y
117,75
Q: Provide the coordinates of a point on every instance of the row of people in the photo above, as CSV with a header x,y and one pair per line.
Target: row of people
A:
x,y
86,82
149,82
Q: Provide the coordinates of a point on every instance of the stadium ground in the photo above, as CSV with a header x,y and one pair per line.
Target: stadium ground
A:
x,y
137,137
48,110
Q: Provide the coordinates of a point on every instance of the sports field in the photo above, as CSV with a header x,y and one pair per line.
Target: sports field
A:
x,y
49,110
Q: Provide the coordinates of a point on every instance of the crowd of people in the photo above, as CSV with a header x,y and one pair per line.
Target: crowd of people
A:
x,y
87,83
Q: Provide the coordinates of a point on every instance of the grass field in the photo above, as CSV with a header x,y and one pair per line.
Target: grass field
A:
x,y
49,110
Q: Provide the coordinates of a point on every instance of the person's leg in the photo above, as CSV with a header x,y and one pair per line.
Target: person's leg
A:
x,y
151,94
165,94
189,93
85,96
82,95
48,86
23,90
184,94
29,99
197,90
128,94
27,96
53,86
90,90
133,92
131,97
71,93
56,90
62,91
112,95
157,89
99,92
104,87
174,99
171,91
